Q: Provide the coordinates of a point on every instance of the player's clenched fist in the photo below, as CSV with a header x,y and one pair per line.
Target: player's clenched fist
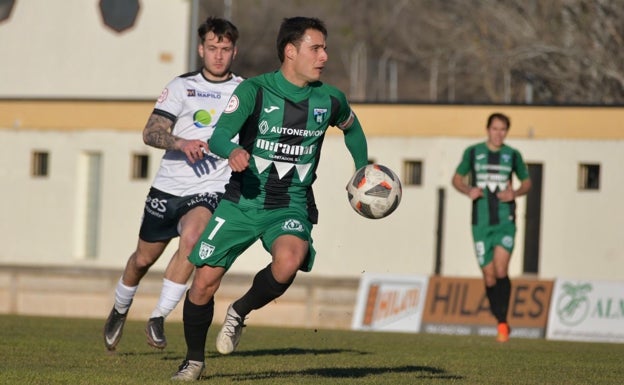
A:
x,y
194,148
238,160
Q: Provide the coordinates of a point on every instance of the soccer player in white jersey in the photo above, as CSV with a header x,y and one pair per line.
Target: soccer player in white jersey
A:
x,y
189,183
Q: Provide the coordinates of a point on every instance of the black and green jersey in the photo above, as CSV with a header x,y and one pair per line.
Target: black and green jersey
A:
x,y
492,171
282,126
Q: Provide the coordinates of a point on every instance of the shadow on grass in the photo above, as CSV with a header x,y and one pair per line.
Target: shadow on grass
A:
x,y
167,356
287,352
348,372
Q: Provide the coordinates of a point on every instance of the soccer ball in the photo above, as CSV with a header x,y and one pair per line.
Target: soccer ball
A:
x,y
374,191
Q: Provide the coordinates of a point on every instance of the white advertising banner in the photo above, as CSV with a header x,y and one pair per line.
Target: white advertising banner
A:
x,y
390,302
584,310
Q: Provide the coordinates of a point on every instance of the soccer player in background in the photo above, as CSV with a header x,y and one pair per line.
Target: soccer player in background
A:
x,y
281,119
189,182
490,165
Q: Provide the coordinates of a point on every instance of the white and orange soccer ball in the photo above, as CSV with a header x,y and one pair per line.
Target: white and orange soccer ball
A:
x,y
374,191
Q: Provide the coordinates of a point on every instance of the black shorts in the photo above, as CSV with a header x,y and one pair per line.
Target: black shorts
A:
x,y
163,211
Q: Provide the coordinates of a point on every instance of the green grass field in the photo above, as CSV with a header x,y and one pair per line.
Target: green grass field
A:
x,y
49,351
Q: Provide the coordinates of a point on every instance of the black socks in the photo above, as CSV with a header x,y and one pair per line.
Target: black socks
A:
x,y
197,320
264,289
499,296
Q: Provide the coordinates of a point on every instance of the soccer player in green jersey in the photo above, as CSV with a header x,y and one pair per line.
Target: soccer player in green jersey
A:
x,y
280,119
490,165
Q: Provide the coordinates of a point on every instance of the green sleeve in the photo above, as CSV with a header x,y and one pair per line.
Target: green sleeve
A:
x,y
239,108
356,143
464,165
521,169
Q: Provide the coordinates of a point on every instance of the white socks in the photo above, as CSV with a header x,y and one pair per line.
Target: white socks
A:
x,y
123,296
171,294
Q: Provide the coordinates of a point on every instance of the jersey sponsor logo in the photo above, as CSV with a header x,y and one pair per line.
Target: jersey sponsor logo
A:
x,y
270,109
284,148
156,207
492,167
191,92
319,114
163,95
263,127
232,105
292,225
202,118
295,131
205,250
492,176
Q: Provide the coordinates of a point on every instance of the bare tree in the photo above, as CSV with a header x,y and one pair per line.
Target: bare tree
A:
x,y
466,51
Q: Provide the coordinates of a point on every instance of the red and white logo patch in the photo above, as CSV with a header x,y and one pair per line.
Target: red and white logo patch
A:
x,y
232,105
163,95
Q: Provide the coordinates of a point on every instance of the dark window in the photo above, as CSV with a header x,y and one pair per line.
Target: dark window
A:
x,y
39,164
119,15
140,166
589,176
412,172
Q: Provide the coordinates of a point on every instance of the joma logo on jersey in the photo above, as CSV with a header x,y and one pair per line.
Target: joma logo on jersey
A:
x,y
205,250
319,114
283,148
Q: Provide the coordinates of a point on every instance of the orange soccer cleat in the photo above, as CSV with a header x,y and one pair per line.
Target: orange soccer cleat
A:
x,y
503,332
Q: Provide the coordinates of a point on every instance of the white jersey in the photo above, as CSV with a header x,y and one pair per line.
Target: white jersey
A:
x,y
194,104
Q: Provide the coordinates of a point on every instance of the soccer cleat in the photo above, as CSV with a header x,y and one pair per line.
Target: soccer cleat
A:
x,y
503,332
230,333
189,371
155,332
113,329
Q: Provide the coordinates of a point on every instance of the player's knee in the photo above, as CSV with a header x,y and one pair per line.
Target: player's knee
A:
x,y
143,261
189,238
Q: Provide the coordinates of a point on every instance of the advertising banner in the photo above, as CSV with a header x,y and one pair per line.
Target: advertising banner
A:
x,y
584,310
390,302
460,306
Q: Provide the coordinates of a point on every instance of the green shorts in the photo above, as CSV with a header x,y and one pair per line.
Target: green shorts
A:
x,y
487,237
232,230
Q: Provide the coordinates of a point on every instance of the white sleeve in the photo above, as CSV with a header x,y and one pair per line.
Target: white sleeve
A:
x,y
171,99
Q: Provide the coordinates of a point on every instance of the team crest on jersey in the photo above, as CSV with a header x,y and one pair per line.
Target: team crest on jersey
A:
x,y
232,105
508,241
205,250
319,114
292,225
506,158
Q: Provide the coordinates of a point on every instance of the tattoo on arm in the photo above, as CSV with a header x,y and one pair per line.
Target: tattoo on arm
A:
x,y
157,133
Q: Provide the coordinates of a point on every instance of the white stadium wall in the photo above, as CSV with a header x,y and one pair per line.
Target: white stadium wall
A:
x,y
42,221
72,87
62,49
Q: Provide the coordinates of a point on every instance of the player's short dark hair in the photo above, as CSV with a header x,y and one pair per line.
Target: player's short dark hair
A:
x,y
220,27
499,116
293,29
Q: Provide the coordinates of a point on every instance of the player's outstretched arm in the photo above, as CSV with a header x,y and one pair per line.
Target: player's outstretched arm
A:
x,y
356,143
